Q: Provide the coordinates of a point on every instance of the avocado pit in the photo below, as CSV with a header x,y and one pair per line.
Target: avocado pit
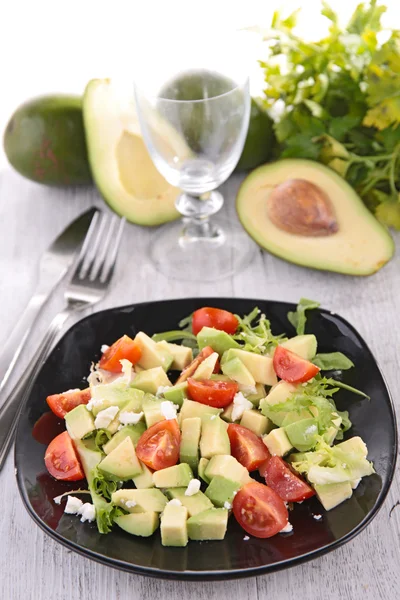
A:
x,y
302,208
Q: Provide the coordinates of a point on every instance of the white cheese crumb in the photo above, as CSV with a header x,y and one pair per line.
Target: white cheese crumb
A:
x,y
227,505
287,529
240,404
58,499
130,503
94,402
317,517
126,371
175,502
246,538
95,377
104,348
72,391
168,409
73,505
213,417
161,389
87,512
105,417
129,418
193,487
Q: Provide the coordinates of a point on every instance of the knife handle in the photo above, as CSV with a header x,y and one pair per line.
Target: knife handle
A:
x,y
11,408
16,341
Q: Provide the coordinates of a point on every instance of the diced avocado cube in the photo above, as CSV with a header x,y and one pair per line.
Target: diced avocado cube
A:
x,y
177,393
227,466
176,476
132,431
151,500
278,394
220,341
236,370
174,526
143,524
152,410
354,445
255,421
331,432
203,462
122,462
222,490
333,494
219,377
149,381
214,437
190,440
79,422
152,354
195,409
206,368
194,504
145,479
255,398
294,416
226,415
277,442
210,524
113,394
302,345
182,355
261,367
303,434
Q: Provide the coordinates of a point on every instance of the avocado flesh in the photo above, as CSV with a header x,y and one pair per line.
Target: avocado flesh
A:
x,y
122,168
361,245
45,141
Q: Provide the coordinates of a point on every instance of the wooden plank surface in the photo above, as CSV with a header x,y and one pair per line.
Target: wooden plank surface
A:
x,y
32,566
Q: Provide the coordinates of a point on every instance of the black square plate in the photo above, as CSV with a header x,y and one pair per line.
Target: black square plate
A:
x,y
67,367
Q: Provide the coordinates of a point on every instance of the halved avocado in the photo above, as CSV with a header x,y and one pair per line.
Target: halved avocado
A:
x,y
121,165
307,214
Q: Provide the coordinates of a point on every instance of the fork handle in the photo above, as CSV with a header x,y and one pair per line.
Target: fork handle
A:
x,y
11,408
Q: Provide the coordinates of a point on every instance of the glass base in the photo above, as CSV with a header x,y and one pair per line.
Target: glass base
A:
x,y
179,250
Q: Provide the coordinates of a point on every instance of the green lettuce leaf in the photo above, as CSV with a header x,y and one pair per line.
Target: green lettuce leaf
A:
x,y
299,318
254,331
332,361
101,437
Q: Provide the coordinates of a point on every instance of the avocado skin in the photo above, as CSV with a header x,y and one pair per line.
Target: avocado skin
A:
x,y
260,140
45,141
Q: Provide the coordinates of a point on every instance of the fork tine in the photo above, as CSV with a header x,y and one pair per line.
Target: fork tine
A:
x,y
94,249
98,266
108,266
87,242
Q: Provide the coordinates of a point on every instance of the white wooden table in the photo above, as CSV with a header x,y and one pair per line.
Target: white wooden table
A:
x,y
33,566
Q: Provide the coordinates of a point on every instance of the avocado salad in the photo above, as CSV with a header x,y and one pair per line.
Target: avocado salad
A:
x,y
185,428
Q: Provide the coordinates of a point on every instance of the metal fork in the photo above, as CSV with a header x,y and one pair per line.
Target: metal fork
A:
x,y
88,285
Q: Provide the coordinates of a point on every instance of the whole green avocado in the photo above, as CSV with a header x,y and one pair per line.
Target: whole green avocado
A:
x,y
260,141
45,141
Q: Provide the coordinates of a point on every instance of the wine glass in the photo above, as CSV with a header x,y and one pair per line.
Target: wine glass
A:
x,y
194,108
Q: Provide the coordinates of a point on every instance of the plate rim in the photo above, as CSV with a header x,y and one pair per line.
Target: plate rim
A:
x,y
215,575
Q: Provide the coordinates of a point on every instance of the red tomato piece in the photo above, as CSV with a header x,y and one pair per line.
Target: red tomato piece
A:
x,y
259,510
190,369
158,447
61,404
214,317
289,486
61,459
262,469
291,367
213,393
124,348
247,447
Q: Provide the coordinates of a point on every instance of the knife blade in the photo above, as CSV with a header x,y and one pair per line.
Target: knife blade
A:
x,y
53,266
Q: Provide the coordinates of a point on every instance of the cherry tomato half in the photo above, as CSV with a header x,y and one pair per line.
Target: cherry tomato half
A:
x,y
158,447
213,393
247,447
61,404
259,510
61,459
126,348
214,317
289,486
291,367
190,369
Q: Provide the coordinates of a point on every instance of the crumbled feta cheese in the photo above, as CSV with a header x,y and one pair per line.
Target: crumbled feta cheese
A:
x,y
317,517
130,503
161,389
175,502
94,402
105,417
126,371
104,348
58,499
193,487
227,505
240,404
72,391
129,418
246,538
287,529
87,512
95,377
213,417
168,409
73,505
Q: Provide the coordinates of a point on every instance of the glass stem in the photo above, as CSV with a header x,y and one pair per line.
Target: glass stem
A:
x,y
197,210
